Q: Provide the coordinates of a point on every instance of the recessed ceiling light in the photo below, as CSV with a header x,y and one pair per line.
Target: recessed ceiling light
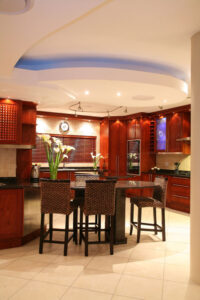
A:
x,y
87,92
118,94
165,101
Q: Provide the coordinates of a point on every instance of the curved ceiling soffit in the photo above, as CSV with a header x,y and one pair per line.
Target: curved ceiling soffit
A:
x,y
40,30
41,64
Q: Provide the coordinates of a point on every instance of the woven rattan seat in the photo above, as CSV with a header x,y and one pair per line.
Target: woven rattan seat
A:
x,y
55,198
100,200
158,200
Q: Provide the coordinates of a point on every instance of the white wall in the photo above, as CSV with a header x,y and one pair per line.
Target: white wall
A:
x,y
76,127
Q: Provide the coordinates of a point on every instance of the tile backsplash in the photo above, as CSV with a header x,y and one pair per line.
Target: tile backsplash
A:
x,y
7,162
166,161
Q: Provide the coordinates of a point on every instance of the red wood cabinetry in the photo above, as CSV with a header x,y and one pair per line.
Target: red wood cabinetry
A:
x,y
179,194
177,127
17,122
142,129
113,146
11,217
117,147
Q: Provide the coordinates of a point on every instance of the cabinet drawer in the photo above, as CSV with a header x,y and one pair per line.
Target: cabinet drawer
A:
x,y
181,190
182,181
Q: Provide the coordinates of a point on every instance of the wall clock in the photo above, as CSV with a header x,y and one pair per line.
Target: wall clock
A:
x,y
63,127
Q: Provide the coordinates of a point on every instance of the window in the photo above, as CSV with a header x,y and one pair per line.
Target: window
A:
x,y
84,145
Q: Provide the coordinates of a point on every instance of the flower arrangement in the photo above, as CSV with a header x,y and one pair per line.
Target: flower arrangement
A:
x,y
55,152
131,157
96,159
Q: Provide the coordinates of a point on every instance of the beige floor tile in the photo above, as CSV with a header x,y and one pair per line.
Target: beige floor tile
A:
x,y
109,263
71,260
77,294
9,286
153,255
177,247
139,287
22,268
115,297
97,281
146,269
178,273
59,274
175,258
40,291
180,291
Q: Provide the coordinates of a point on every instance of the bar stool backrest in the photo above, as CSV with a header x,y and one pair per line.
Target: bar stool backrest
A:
x,y
55,196
100,197
160,192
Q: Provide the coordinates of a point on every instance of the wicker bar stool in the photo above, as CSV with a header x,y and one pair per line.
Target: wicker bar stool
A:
x,y
55,198
99,200
96,225
157,201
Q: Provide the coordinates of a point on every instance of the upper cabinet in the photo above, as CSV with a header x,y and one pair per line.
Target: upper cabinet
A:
x,y
170,130
17,122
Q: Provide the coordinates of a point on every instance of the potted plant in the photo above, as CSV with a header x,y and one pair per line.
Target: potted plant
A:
x,y
55,152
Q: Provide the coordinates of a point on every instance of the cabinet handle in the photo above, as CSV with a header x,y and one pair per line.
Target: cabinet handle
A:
x,y
185,197
186,186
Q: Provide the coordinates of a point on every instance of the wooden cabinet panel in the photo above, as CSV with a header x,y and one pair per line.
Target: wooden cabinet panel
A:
x,y
11,213
174,132
117,148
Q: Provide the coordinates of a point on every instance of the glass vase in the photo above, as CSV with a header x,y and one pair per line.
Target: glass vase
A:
x,y
53,174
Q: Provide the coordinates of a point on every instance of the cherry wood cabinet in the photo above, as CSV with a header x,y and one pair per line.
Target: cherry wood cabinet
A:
x,y
17,122
11,217
177,127
113,146
141,129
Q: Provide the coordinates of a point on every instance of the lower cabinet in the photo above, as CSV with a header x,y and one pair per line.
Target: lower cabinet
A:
x,y
178,191
11,217
179,194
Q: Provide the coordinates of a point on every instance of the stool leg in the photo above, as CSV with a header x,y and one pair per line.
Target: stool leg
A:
x,y
112,235
131,218
86,235
139,223
41,234
75,225
96,223
66,234
50,227
81,227
99,228
155,220
163,225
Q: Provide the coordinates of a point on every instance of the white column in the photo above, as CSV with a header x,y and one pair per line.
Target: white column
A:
x,y
195,160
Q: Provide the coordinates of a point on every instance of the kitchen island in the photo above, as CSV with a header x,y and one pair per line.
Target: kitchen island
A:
x,y
19,212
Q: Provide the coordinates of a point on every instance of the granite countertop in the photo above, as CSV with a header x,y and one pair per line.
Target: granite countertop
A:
x,y
13,183
68,169
182,174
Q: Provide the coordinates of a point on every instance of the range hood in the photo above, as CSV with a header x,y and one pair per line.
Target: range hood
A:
x,y
185,139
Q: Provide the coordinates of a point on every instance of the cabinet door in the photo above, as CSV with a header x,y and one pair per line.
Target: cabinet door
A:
x,y
11,213
117,148
10,130
174,131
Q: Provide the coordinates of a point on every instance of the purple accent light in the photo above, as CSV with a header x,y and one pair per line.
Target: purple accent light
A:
x,y
161,134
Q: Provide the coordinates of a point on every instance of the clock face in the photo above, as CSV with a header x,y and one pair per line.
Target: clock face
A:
x,y
64,126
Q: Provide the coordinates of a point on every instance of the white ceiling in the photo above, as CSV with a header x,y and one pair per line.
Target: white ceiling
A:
x,y
136,47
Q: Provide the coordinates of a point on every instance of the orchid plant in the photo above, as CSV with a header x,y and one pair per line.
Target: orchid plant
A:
x,y
55,152
96,159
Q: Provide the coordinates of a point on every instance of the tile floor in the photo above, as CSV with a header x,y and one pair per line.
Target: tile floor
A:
x,y
150,270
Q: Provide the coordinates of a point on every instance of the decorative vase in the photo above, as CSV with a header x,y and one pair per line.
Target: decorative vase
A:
x,y
53,174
